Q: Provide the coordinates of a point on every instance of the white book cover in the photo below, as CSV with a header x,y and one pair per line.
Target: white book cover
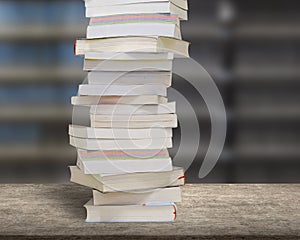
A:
x,y
129,56
137,8
133,118
133,29
96,3
120,144
169,194
122,154
130,78
127,66
121,90
135,124
119,133
123,109
130,213
125,166
97,100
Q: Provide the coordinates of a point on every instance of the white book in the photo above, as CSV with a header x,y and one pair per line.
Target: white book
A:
x,y
129,56
125,166
130,78
160,195
137,8
128,182
133,29
130,213
119,133
121,90
122,154
127,66
96,3
96,100
135,124
133,44
120,144
134,118
123,109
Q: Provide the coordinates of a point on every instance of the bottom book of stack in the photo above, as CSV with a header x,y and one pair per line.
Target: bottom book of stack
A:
x,y
132,197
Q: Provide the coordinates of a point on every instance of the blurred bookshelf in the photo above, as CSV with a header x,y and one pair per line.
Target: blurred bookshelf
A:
x,y
250,48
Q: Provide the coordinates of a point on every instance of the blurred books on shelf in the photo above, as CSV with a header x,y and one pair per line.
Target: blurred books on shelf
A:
x,y
253,60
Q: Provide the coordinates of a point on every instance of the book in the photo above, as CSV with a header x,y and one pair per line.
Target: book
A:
x,y
122,155
130,213
162,8
96,3
135,18
133,44
119,133
122,166
120,144
128,182
124,65
134,25
133,118
127,109
152,196
130,78
121,90
96,100
135,124
130,56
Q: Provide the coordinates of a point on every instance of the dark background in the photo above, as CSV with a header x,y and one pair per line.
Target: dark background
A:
x,y
250,48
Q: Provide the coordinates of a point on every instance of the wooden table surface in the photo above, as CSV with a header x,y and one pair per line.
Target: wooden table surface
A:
x,y
209,211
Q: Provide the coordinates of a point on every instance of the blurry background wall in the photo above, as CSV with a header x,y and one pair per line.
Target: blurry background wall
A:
x,y
251,49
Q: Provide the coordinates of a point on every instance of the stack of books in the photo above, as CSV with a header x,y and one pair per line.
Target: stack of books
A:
x,y
123,152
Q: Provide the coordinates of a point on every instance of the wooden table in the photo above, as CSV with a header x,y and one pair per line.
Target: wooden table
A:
x,y
207,212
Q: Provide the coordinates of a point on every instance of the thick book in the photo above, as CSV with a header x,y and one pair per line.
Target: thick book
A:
x,y
119,133
123,109
124,166
128,182
121,90
130,78
120,144
133,44
159,8
96,3
160,195
125,65
130,213
95,100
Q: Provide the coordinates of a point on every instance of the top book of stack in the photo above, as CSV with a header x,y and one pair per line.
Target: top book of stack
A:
x,y
96,8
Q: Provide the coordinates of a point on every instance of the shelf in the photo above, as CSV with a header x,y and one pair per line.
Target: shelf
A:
x,y
266,153
267,74
207,211
36,153
201,31
46,113
37,74
41,32
272,31
267,113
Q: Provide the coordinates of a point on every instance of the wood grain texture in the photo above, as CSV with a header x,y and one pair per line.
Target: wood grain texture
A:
x,y
208,211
